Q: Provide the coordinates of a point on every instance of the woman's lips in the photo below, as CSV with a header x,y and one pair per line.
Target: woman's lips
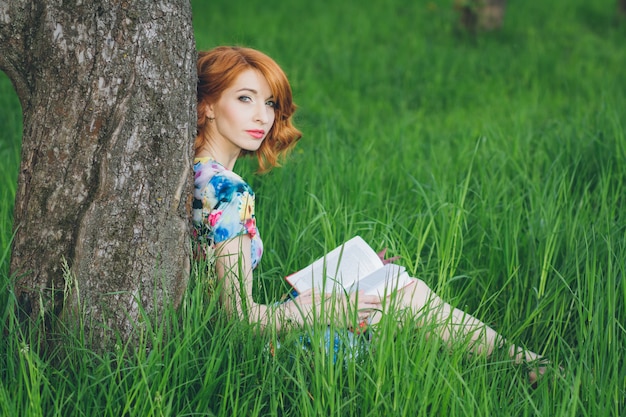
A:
x,y
257,134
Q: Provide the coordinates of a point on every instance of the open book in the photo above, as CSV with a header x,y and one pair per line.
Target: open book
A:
x,y
353,266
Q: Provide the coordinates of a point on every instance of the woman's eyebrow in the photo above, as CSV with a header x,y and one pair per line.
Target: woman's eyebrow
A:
x,y
252,90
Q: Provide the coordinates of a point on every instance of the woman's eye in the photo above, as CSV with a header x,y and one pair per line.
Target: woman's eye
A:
x,y
245,98
271,103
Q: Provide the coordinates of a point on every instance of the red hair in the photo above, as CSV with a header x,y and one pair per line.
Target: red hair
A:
x,y
218,69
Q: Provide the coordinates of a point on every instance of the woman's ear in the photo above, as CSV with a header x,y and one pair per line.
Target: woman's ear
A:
x,y
208,111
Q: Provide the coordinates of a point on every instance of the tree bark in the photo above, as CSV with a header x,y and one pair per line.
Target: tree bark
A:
x,y
108,96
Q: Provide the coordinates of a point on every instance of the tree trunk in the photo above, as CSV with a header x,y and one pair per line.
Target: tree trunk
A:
x,y
481,15
108,96
621,7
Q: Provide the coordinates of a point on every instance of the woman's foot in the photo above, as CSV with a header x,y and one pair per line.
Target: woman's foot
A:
x,y
537,370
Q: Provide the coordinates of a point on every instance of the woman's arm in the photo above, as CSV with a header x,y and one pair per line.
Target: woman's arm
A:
x,y
234,271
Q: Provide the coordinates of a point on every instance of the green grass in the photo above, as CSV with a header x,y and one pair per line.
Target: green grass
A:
x,y
494,165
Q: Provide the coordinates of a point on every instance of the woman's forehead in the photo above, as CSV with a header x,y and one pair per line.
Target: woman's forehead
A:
x,y
253,81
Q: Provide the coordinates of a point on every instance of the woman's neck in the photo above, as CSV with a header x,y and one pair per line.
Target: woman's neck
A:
x,y
226,159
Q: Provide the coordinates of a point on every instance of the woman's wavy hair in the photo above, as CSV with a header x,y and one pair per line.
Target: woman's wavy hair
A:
x,y
218,69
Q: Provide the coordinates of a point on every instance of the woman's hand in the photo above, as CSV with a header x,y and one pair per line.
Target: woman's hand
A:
x,y
381,255
336,308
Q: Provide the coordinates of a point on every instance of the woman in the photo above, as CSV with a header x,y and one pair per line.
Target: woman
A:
x,y
245,107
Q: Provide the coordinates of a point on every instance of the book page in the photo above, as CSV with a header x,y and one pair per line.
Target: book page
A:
x,y
383,281
340,268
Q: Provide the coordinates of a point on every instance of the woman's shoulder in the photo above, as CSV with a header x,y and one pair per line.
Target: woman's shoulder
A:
x,y
209,172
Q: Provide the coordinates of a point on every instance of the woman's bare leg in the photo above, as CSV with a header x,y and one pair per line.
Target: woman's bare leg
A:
x,y
452,324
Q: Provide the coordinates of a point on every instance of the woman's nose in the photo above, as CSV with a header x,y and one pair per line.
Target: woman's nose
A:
x,y
263,113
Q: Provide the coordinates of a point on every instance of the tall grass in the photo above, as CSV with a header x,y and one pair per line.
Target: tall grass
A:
x,y
494,165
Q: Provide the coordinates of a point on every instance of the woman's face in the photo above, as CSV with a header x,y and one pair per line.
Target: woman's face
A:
x,y
243,114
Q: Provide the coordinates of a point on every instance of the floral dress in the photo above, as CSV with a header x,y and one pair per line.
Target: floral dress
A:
x,y
223,207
